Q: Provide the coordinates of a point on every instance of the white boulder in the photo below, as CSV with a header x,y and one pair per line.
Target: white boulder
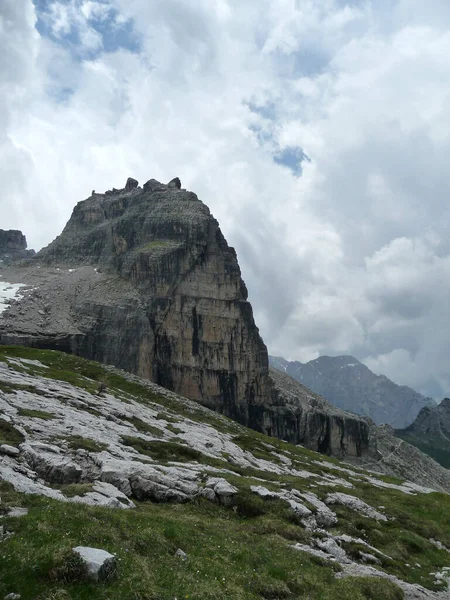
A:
x,y
100,565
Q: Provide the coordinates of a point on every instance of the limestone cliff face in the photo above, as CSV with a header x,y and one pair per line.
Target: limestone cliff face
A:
x,y
305,417
169,302
143,279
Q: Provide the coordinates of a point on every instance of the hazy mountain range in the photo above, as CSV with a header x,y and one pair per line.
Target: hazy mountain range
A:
x,y
347,383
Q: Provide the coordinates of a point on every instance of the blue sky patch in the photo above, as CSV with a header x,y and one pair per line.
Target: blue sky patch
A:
x,y
113,35
292,157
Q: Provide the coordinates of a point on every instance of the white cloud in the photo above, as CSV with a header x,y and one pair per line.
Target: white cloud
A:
x,y
354,256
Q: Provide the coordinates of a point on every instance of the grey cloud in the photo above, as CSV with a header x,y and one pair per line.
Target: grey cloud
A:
x,y
353,256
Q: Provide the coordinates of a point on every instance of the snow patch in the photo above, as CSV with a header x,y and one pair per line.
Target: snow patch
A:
x,y
8,292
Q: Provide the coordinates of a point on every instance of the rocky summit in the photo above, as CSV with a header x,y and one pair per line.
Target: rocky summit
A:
x,y
142,278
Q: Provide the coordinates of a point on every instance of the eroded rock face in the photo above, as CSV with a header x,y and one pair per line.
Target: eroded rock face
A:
x,y
145,280
13,246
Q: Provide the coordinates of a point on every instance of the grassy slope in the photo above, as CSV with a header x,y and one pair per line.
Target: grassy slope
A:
x,y
242,553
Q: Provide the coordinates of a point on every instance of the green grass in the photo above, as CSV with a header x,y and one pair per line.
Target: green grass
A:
x,y
144,427
9,434
74,489
156,245
11,388
164,451
77,442
36,414
173,429
229,556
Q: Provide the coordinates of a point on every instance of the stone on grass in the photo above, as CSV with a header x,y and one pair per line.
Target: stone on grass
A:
x,y
263,492
181,554
355,504
100,565
17,511
366,557
12,597
225,492
331,547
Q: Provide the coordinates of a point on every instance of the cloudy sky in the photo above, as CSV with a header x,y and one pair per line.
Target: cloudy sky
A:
x,y
317,131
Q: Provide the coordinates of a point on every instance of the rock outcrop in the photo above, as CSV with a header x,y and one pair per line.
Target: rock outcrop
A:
x,y
350,385
430,432
13,246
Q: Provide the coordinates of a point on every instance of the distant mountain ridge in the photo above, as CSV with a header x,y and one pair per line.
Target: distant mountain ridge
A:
x,y
349,384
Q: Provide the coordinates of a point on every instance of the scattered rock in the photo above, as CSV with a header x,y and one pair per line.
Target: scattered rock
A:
x,y
181,554
331,547
439,545
12,597
100,564
17,512
263,492
355,504
366,557
225,492
9,450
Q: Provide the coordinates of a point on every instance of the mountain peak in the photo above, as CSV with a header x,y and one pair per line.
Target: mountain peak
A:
x,y
339,361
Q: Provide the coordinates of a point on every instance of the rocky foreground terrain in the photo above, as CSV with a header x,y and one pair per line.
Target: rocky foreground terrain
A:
x,y
190,504
350,385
